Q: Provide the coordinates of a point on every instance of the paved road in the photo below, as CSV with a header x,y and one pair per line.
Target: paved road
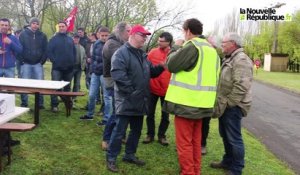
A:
x,y
275,120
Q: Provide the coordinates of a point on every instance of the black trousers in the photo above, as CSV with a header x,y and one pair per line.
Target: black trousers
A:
x,y
164,122
205,130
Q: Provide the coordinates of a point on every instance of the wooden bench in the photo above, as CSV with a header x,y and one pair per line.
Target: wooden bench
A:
x,y
18,127
12,127
66,98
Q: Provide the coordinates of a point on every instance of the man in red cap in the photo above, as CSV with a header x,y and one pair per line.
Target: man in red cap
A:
x,y
131,72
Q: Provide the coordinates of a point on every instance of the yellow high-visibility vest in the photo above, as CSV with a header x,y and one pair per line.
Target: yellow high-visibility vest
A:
x,y
197,88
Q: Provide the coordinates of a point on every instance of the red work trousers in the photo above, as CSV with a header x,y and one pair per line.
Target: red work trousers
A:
x,y
188,143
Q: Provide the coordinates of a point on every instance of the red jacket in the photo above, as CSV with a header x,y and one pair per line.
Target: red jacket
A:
x,y
159,85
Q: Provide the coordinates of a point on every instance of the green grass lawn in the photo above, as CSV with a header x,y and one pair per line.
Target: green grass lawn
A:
x,y
63,145
286,80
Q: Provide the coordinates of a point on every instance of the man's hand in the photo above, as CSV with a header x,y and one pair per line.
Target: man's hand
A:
x,y
179,42
163,64
6,40
89,60
2,51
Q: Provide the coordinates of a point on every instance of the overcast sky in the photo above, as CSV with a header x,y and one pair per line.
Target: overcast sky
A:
x,y
212,10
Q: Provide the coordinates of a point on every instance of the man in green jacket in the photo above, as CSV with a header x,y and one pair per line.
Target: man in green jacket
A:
x,y
80,63
191,93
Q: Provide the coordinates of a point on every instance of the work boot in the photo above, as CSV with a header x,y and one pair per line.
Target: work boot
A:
x,y
134,160
218,165
54,109
148,139
203,150
163,141
86,117
111,166
101,123
24,105
14,142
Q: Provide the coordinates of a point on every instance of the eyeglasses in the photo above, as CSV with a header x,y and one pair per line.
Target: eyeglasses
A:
x,y
142,35
162,41
223,42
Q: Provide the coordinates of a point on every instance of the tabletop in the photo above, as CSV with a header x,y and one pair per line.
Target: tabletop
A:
x,y
30,83
4,118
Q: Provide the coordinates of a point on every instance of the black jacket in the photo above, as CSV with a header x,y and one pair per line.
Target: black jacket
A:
x,y
97,62
61,52
131,72
84,42
34,47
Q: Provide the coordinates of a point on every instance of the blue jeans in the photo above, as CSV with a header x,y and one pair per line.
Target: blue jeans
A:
x,y
111,123
115,143
7,72
59,75
96,82
107,98
35,71
230,131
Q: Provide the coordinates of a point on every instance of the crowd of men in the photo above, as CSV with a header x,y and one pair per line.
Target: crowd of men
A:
x,y
188,78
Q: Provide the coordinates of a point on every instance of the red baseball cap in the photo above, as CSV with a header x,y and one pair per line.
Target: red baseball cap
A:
x,y
138,28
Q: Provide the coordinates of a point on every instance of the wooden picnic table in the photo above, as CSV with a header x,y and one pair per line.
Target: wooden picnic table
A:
x,y
39,87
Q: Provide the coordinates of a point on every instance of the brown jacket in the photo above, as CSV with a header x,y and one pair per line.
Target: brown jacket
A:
x,y
235,81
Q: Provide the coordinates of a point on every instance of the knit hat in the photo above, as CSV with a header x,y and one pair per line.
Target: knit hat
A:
x,y
34,19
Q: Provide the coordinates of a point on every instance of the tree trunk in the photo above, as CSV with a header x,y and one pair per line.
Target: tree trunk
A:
x,y
275,41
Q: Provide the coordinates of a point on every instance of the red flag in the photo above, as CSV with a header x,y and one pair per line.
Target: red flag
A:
x,y
71,19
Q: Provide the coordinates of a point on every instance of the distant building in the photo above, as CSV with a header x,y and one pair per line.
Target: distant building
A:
x,y
275,62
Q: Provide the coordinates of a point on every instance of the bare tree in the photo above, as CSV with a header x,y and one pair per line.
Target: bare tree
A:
x,y
91,13
94,13
22,10
232,23
168,19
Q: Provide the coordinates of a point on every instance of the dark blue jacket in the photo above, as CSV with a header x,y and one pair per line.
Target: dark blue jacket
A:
x,y
8,59
97,61
131,72
34,47
62,52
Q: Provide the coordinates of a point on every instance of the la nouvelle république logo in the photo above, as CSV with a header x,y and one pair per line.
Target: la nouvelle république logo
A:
x,y
267,14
